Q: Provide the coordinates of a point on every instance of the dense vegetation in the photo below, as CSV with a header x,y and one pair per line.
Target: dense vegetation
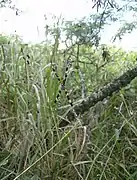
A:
x,y
37,139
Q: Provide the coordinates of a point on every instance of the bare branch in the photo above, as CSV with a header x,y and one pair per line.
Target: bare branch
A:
x,y
103,93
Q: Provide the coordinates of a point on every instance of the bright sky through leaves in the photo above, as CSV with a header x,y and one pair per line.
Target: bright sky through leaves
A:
x,y
30,24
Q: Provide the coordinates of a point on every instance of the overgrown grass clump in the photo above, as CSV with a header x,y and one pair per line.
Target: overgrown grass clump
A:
x,y
101,145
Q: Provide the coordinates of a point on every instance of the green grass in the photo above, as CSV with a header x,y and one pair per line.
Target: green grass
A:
x,y
33,146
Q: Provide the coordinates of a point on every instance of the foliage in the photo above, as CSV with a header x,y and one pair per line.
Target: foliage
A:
x,y
100,145
3,3
9,4
103,4
120,9
35,142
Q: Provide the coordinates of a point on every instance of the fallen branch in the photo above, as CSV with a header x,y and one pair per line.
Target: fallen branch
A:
x,y
103,93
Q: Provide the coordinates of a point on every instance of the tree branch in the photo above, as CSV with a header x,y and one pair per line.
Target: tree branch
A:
x,y
104,92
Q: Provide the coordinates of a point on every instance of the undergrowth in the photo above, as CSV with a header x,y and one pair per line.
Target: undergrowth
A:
x,y
101,145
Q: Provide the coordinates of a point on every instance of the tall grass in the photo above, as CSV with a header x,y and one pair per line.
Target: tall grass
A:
x,y
34,146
